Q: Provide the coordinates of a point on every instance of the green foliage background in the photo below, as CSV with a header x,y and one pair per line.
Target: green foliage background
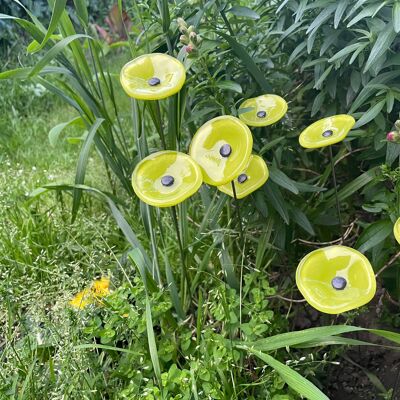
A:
x,y
324,57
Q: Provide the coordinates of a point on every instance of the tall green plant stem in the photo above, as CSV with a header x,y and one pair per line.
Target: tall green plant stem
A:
x,y
336,191
184,278
223,15
141,146
242,246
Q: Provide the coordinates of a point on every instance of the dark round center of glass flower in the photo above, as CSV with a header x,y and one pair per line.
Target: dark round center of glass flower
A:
x,y
154,81
242,178
327,133
261,114
167,180
225,150
339,283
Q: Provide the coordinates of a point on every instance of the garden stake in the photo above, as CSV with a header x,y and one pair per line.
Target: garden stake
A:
x,y
184,281
336,193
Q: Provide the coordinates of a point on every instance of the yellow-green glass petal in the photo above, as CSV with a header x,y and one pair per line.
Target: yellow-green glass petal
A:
x,y
326,131
256,175
207,142
135,76
146,178
274,106
396,230
317,269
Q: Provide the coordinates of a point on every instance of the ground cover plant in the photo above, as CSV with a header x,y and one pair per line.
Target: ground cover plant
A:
x,y
188,291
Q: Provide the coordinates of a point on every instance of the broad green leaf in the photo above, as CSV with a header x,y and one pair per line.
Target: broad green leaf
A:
x,y
374,234
365,13
340,9
81,166
270,145
282,179
321,79
396,16
229,85
321,18
370,114
275,197
247,61
392,153
297,337
244,12
344,52
382,44
55,132
297,382
353,186
301,220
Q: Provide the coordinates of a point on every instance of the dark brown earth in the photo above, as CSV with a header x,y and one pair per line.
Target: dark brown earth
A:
x,y
349,380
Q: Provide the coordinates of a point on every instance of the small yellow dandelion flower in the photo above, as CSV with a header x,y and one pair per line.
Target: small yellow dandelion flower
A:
x,y
100,287
82,299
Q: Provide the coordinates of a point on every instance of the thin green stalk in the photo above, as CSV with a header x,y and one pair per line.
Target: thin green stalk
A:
x,y
336,191
184,281
242,247
158,116
223,15
141,146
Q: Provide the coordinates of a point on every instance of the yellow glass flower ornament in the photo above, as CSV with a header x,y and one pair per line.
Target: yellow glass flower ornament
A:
x,y
252,178
166,178
396,230
326,131
222,147
336,279
265,110
152,76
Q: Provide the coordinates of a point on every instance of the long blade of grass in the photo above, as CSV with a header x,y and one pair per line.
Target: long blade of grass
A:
x,y
82,164
58,8
297,382
152,342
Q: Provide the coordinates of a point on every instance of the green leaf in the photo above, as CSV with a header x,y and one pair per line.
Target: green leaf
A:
x,y
244,12
297,382
382,44
353,186
282,180
321,18
365,13
59,6
344,52
55,132
321,79
340,9
290,339
396,16
373,235
229,85
152,342
247,61
275,197
370,114
81,11
81,166
392,152
54,51
301,220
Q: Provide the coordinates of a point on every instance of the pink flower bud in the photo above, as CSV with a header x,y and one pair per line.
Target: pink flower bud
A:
x,y
189,48
391,136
